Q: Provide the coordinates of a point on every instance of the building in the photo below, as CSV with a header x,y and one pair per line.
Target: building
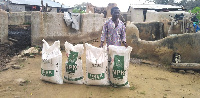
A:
x,y
33,5
153,12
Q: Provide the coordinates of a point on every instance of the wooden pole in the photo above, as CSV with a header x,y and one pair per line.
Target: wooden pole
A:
x,y
186,66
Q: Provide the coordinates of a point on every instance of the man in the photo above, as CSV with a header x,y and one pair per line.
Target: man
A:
x,y
114,30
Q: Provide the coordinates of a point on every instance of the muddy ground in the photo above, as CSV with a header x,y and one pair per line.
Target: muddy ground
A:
x,y
19,38
147,80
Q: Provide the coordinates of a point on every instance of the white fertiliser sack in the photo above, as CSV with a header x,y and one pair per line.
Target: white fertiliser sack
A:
x,y
73,66
96,65
120,56
51,67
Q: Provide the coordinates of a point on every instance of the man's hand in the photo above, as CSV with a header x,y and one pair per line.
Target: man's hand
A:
x,y
125,44
67,54
101,45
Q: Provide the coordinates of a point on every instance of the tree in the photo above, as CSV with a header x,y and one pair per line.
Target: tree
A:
x,y
189,4
80,8
196,11
166,2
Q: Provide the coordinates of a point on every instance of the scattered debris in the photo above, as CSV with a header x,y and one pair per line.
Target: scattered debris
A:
x,y
11,39
186,66
16,66
30,51
32,56
182,71
135,61
21,81
190,71
5,68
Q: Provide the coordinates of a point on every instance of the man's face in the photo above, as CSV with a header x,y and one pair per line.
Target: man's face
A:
x,y
115,14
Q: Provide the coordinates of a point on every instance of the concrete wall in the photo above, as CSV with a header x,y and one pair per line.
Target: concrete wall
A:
x,y
3,26
51,27
54,10
151,31
16,18
153,16
16,8
188,45
19,18
136,15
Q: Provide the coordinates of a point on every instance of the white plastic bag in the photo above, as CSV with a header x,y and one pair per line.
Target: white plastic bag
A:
x,y
51,67
96,65
120,56
67,18
74,70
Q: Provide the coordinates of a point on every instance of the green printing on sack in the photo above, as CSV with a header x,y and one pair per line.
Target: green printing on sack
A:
x,y
76,79
48,73
96,76
118,68
71,66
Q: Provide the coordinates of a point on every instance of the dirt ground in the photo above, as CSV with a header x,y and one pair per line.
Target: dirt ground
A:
x,y
146,81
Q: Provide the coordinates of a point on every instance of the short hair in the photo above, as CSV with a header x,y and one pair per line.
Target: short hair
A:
x,y
114,8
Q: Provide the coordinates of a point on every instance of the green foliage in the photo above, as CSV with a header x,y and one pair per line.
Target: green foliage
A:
x,y
196,10
132,88
80,8
75,10
165,2
143,93
27,23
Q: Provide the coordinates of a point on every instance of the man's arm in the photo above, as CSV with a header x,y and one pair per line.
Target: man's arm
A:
x,y
123,36
103,35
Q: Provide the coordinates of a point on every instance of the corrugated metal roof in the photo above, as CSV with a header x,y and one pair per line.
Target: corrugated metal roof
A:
x,y
38,2
1,2
154,6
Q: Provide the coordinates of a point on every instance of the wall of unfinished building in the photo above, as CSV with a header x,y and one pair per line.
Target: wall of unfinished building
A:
x,y
3,27
136,15
16,8
151,31
152,16
187,45
19,18
51,27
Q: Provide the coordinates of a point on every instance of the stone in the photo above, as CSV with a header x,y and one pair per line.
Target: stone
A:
x,y
19,56
182,71
16,66
11,63
190,71
5,68
135,61
20,81
32,56
29,51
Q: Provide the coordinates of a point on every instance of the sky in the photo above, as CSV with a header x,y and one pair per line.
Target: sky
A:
x,y
122,4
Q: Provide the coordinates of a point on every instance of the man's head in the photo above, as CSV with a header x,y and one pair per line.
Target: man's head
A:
x,y
115,12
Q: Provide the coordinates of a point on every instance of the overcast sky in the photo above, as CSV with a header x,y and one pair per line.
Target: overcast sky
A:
x,y
122,4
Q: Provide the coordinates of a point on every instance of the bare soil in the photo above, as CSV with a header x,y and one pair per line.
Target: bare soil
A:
x,y
21,39
146,81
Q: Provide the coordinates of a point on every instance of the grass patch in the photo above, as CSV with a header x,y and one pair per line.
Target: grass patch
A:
x,y
132,88
143,93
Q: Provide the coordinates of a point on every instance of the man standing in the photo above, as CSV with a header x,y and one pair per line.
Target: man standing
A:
x,y
114,30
